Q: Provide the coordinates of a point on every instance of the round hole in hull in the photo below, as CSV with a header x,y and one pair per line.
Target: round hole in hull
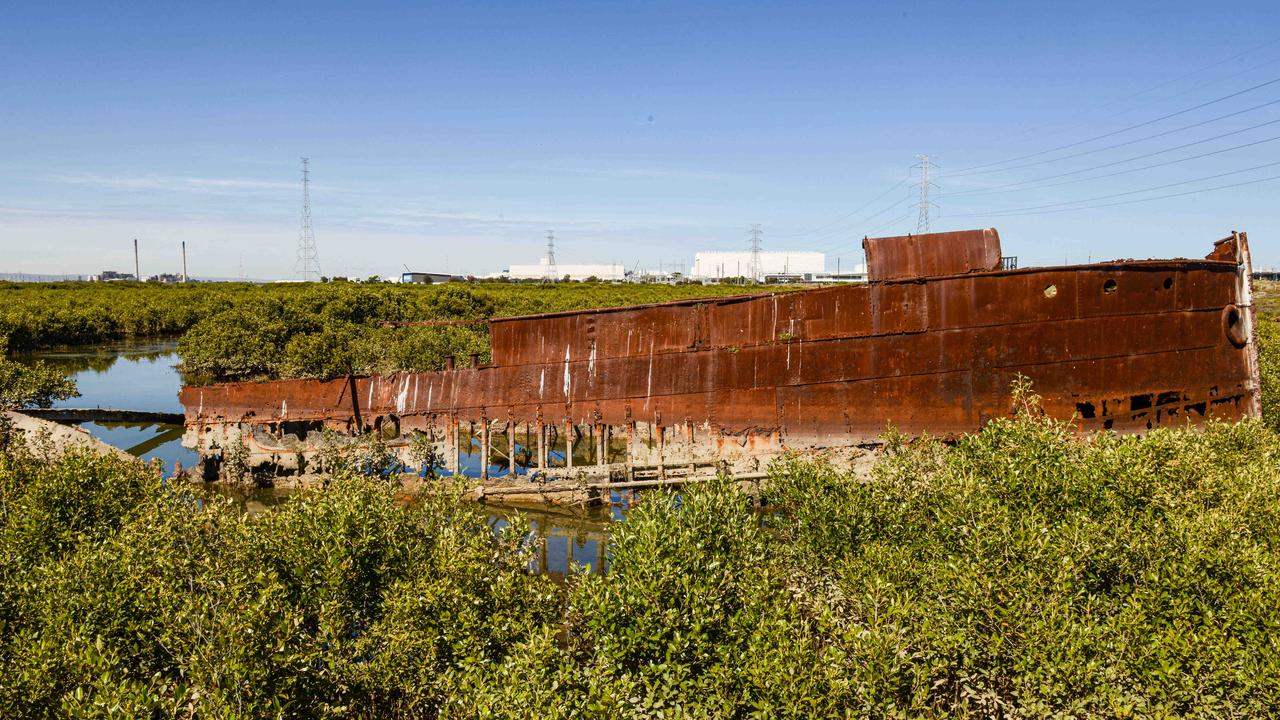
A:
x,y
1233,326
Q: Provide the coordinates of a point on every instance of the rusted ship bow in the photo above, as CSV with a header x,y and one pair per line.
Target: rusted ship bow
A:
x,y
932,343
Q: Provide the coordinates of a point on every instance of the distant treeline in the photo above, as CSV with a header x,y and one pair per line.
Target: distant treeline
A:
x,y
236,331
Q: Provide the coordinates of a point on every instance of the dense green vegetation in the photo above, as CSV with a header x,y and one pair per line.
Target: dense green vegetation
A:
x,y
41,315
323,331
1022,571
242,331
1267,335
31,385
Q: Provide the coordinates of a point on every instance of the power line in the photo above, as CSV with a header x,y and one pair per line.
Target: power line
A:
x,y
1001,188
982,169
861,222
1136,140
849,214
1193,88
1166,83
904,200
1032,210
1162,152
1158,197
889,223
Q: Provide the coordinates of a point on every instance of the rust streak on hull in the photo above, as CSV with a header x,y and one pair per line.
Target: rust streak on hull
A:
x,y
931,345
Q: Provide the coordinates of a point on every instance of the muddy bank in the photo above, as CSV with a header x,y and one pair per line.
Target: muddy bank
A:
x,y
40,434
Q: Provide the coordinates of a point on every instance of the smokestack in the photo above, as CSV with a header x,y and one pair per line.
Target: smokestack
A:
x,y
184,261
137,274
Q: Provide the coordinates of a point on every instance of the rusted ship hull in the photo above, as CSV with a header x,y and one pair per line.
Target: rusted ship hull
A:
x,y
932,344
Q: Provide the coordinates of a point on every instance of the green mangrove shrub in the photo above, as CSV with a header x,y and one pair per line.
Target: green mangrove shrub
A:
x,y
1021,571
31,385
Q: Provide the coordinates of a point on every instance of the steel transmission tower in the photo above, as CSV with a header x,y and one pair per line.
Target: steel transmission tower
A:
x,y
551,273
924,204
307,267
756,234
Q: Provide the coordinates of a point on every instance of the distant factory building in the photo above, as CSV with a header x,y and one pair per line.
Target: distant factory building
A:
x,y
857,275
425,278
113,276
612,272
774,264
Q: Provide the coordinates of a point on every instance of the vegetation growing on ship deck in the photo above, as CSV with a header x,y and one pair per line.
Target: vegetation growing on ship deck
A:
x,y
1023,571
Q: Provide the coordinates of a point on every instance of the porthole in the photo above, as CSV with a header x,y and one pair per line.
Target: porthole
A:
x,y
1233,326
1051,291
1109,286
1168,283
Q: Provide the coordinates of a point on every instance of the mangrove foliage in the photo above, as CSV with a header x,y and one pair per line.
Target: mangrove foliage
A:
x,y
1022,571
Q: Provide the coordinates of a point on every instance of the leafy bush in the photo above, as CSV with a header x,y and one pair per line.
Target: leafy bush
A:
x,y
239,342
1022,571
121,595
1025,571
34,385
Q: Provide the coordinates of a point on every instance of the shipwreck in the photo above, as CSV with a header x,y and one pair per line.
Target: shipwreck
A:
x,y
930,344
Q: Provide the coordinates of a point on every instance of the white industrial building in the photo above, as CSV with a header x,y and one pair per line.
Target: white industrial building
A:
x,y
711,265
606,272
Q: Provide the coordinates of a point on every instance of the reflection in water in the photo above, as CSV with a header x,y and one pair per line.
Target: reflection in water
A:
x,y
100,358
144,376
126,376
563,537
149,441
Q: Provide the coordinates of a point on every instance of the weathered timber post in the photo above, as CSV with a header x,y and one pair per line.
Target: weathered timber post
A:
x,y
662,447
568,446
601,443
691,444
542,446
511,443
454,458
484,447
631,447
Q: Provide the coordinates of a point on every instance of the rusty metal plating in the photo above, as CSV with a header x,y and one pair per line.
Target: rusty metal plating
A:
x,y
931,345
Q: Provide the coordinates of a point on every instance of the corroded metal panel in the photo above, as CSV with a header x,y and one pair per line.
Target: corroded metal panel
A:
x,y
933,254
1125,346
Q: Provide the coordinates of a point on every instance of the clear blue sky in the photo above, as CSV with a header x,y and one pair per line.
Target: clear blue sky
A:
x,y
456,135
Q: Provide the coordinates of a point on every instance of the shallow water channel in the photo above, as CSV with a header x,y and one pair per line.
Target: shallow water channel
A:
x,y
144,376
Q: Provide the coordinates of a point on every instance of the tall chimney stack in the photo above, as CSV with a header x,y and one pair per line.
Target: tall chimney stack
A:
x,y
137,274
184,261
